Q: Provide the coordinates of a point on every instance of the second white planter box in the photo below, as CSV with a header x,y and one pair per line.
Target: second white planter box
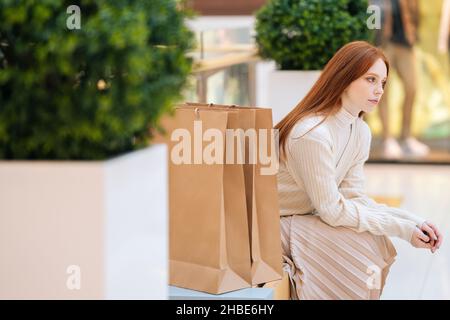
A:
x,y
286,89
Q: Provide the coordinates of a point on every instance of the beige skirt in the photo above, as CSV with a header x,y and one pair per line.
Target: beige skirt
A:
x,y
325,262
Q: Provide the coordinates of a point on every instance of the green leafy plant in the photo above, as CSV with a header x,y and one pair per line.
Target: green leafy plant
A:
x,y
304,34
93,92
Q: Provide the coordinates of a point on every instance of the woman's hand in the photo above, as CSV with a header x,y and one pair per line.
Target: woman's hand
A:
x,y
427,236
420,240
433,232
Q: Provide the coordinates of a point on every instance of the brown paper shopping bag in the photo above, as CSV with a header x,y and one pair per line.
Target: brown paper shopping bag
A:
x,y
208,249
261,190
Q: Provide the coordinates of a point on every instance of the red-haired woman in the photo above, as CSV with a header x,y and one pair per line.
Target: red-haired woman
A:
x,y
335,238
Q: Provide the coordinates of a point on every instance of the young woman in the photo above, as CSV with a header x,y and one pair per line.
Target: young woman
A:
x,y
335,238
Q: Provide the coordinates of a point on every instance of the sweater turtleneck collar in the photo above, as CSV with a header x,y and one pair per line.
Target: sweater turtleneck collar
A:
x,y
344,118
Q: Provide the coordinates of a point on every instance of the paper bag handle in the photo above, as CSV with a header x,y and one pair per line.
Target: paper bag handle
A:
x,y
209,104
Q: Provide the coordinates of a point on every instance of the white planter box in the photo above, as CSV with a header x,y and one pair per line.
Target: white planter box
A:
x,y
286,89
85,229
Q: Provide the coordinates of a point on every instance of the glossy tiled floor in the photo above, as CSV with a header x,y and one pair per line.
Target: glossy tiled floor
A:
x,y
425,190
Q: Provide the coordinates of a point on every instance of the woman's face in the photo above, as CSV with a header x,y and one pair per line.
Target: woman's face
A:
x,y
364,93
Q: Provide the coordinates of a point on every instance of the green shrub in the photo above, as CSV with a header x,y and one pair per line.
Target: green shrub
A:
x,y
304,34
93,92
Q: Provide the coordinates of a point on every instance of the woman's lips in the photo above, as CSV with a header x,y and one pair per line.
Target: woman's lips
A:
x,y
373,101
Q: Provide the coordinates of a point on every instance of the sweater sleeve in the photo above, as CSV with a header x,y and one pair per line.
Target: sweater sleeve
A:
x,y
311,163
352,186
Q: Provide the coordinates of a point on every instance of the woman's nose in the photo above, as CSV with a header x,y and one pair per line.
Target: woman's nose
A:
x,y
379,90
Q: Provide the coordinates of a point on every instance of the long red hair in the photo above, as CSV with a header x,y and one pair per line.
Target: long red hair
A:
x,y
349,63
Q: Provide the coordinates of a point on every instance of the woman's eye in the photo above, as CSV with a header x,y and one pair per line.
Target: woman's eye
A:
x,y
371,79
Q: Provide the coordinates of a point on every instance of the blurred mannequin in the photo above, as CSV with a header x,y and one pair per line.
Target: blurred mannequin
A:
x,y
397,38
444,30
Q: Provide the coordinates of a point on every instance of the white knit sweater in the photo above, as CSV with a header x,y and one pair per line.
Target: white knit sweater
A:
x,y
323,174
